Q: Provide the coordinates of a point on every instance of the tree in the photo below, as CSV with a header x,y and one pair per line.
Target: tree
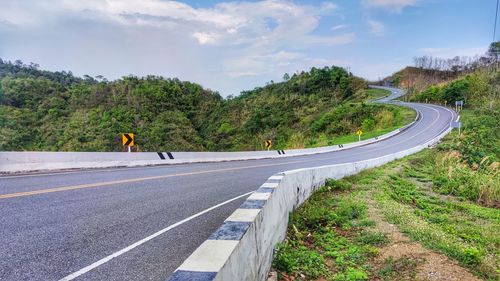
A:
x,y
456,90
494,50
286,77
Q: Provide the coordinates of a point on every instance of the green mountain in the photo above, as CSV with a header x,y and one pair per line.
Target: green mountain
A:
x,y
56,111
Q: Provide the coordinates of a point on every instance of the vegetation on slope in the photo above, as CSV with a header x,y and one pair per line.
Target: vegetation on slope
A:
x,y
345,231
446,199
468,162
56,111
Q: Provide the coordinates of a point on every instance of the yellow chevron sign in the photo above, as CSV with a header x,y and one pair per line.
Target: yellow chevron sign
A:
x,y
128,139
269,143
359,132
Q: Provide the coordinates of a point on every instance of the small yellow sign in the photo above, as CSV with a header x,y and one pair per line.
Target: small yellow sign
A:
x,y
359,132
128,139
269,143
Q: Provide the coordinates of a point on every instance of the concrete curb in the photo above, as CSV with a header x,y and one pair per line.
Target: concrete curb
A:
x,y
242,248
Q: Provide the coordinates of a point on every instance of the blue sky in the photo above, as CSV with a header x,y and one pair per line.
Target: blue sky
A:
x,y
232,46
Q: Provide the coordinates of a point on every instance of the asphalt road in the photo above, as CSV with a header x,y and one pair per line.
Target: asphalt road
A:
x,y
98,231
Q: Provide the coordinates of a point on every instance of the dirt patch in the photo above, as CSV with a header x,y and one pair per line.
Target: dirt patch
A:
x,y
418,262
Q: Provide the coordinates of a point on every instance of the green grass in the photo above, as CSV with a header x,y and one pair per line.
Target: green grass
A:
x,y
462,230
331,237
407,116
372,94
366,135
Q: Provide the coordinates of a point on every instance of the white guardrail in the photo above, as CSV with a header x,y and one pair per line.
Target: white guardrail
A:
x,y
27,161
242,248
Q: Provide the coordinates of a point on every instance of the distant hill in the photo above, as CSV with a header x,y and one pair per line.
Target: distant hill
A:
x,y
428,70
419,78
56,111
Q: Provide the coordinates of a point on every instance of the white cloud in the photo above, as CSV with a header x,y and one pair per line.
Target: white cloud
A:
x,y
446,52
172,38
242,74
376,28
394,5
205,38
338,27
284,56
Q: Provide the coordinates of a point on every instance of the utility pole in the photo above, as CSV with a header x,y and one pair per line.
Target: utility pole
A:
x,y
495,26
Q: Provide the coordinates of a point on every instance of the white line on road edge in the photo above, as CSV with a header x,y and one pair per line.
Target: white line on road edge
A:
x,y
140,242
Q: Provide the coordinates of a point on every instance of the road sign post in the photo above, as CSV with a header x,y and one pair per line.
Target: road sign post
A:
x,y
128,140
456,124
359,133
268,144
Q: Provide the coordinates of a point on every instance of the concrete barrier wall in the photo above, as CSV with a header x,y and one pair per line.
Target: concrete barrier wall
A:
x,y
12,162
242,248
15,162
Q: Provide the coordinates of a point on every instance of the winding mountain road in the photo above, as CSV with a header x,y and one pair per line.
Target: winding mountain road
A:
x,y
141,223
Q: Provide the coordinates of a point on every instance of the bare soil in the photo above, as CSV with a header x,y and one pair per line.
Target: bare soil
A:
x,y
428,264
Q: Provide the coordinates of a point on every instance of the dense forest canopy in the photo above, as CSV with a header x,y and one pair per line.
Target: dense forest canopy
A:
x,y
56,111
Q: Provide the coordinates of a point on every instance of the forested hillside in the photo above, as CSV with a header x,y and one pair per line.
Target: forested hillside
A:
x,y
56,111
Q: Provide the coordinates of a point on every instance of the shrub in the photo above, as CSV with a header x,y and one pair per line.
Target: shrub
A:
x,y
341,185
299,260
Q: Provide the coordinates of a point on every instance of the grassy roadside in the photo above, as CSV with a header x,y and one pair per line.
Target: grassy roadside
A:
x,y
399,117
434,215
326,237
372,94
407,114
334,237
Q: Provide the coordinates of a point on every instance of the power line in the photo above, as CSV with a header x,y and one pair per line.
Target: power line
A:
x,y
495,27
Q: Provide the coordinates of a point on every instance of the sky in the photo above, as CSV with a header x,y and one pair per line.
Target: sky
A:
x,y
231,46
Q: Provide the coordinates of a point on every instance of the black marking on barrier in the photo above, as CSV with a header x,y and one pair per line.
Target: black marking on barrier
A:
x,y
253,204
182,275
341,146
230,230
279,152
282,151
170,156
265,190
162,157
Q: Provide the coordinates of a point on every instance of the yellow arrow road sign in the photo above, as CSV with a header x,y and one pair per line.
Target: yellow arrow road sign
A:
x,y
359,132
128,139
269,143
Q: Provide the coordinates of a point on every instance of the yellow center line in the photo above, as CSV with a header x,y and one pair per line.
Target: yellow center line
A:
x,y
109,183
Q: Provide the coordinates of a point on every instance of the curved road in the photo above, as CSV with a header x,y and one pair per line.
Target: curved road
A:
x,y
141,223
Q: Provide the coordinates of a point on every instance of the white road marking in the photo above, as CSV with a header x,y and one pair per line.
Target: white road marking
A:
x,y
270,184
140,242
